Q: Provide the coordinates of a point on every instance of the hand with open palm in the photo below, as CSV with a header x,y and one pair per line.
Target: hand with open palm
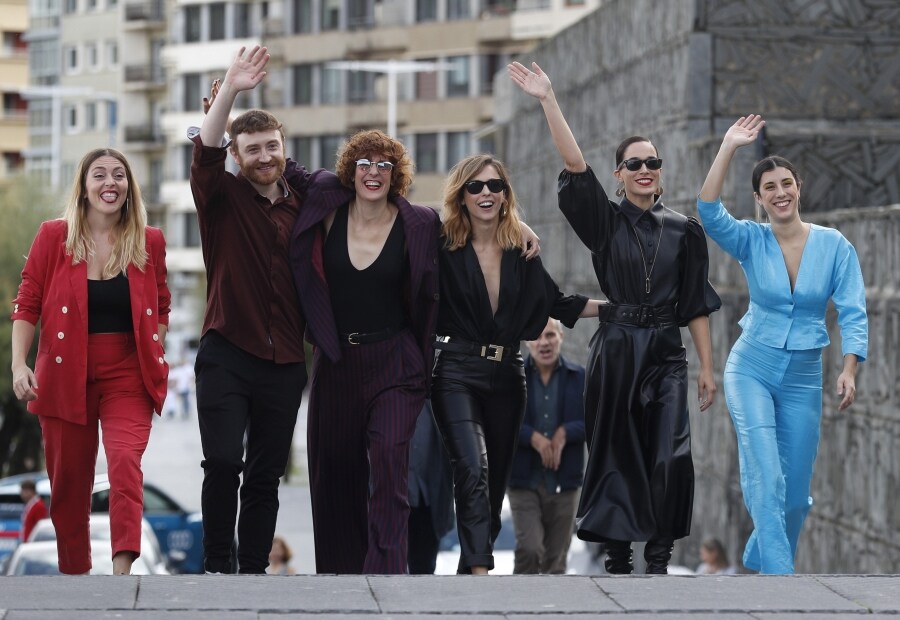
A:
x,y
534,81
744,131
247,70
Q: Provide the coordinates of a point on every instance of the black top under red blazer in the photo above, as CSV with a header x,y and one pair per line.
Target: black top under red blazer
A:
x,y
322,193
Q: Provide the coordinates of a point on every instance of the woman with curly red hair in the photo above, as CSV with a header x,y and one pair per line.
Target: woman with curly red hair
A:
x,y
365,264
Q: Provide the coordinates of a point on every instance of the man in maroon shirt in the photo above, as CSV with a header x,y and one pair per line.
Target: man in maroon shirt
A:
x,y
250,368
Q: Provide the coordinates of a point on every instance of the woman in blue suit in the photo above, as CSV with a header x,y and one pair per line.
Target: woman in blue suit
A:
x,y
773,377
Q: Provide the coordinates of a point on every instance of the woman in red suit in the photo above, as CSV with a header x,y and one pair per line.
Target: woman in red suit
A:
x,y
96,280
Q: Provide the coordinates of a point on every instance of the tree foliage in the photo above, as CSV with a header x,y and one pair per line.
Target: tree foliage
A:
x,y
24,204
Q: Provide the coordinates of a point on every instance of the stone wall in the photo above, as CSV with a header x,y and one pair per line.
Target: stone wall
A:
x,y
825,75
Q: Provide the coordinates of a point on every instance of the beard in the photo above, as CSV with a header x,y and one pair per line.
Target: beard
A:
x,y
265,178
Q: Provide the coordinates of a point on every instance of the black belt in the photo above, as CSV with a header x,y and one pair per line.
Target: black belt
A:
x,y
358,338
493,352
640,315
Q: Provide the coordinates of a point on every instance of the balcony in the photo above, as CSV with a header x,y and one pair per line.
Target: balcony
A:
x,y
145,15
144,138
144,77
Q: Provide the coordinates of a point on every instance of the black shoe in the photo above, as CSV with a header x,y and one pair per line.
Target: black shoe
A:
x,y
657,553
618,557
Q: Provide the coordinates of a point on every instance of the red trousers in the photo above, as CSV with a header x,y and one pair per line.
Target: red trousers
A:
x,y
119,403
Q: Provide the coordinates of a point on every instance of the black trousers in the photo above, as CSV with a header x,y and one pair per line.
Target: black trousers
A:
x,y
239,394
478,406
423,542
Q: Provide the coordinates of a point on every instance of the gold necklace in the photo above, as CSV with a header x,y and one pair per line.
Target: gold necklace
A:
x,y
647,274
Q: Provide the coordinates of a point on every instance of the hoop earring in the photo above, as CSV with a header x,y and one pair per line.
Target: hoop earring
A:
x,y
659,191
620,190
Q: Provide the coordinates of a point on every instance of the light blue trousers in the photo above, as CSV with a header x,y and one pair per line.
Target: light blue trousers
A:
x,y
775,400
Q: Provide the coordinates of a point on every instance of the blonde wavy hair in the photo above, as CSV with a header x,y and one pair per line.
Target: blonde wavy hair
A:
x,y
456,227
129,245
370,143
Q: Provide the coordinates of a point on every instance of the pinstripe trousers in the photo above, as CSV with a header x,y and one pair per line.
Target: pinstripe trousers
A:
x,y
362,416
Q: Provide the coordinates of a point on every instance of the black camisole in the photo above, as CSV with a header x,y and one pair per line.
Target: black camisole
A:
x,y
368,300
109,306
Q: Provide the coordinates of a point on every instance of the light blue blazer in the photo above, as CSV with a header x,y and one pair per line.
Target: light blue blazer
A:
x,y
829,269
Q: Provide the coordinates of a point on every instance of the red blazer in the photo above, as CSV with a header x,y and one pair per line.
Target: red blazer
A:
x,y
55,291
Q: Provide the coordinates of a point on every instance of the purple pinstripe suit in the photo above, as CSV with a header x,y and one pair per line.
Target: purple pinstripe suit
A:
x,y
364,399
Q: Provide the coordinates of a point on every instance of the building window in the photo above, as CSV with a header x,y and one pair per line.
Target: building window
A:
x,y
302,85
93,57
90,116
192,23
241,20
426,10
458,76
487,144
301,150
112,53
91,5
70,58
360,14
426,82
70,6
70,118
361,86
458,9
191,229
331,14
489,65
217,21
457,146
303,19
332,85
182,172
192,92
426,152
328,148
112,3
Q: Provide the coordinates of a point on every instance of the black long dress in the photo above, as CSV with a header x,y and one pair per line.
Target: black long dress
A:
x,y
639,483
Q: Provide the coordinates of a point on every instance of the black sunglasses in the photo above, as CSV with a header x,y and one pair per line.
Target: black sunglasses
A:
x,y
475,187
634,164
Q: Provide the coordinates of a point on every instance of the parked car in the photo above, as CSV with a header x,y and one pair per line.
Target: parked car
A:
x,y
179,532
39,558
100,530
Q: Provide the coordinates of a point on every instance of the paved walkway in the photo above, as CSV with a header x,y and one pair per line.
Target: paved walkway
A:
x,y
307,597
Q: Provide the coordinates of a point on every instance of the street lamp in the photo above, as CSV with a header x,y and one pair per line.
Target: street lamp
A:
x,y
392,68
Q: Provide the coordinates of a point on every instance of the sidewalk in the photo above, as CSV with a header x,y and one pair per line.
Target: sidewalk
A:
x,y
205,597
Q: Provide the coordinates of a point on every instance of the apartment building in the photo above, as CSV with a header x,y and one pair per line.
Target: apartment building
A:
x,y
13,79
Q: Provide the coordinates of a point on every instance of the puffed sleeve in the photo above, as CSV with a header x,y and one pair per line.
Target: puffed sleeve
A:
x,y
28,302
585,205
730,234
565,308
696,296
849,297
164,297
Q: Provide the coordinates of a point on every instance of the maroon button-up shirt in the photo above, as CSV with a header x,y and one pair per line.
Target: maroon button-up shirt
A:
x,y
250,297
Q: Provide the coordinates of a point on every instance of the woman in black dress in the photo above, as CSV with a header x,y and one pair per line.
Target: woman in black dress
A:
x,y
652,264
491,299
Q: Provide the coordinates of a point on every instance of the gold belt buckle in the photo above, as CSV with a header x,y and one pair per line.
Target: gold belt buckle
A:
x,y
496,356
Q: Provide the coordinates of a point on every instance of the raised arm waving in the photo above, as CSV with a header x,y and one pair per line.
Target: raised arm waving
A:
x,y
537,84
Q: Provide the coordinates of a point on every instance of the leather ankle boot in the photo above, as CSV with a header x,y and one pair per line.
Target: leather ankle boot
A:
x,y
618,557
657,553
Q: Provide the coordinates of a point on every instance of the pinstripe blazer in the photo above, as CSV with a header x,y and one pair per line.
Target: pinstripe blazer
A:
x,y
322,193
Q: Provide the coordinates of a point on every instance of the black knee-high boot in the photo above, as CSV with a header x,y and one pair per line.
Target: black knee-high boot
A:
x,y
657,553
618,557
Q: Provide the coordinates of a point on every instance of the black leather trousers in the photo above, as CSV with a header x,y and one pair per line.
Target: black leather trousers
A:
x,y
479,405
